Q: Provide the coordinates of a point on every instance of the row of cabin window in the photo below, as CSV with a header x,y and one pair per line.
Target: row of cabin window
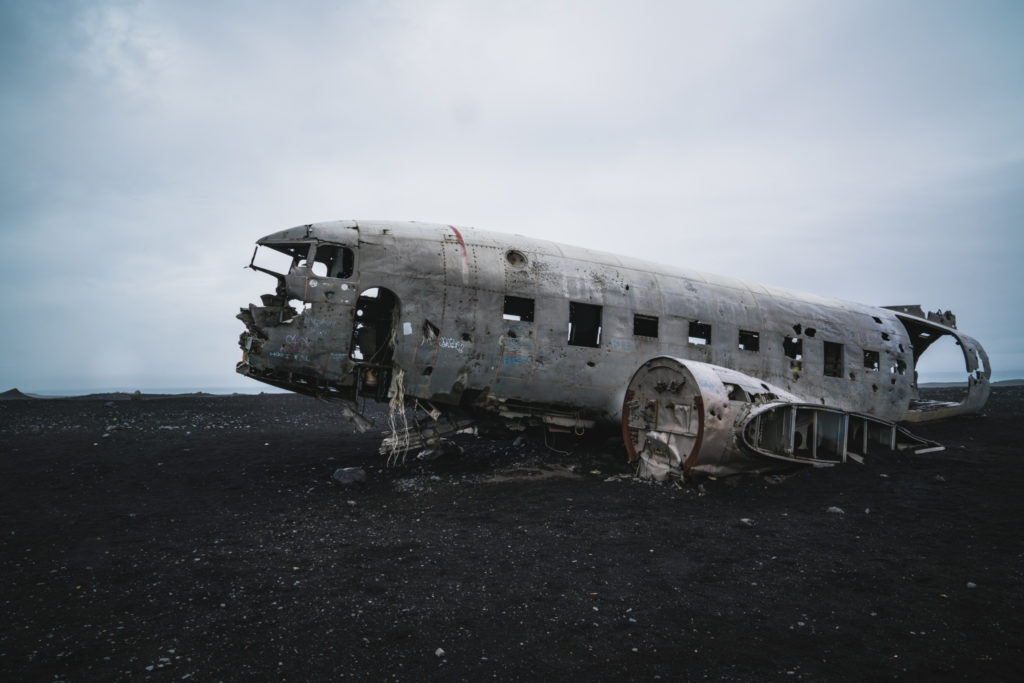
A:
x,y
585,330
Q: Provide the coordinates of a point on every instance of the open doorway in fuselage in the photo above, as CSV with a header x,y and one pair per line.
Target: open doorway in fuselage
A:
x,y
374,335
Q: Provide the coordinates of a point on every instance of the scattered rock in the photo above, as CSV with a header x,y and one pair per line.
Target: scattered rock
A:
x,y
439,652
971,584
446,448
429,454
746,522
836,510
409,485
347,476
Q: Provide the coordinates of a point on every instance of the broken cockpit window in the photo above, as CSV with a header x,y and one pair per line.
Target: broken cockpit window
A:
x,y
333,261
279,259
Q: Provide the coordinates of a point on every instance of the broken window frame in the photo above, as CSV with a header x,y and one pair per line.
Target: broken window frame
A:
x,y
749,341
699,334
338,261
793,347
518,309
645,325
585,324
835,359
299,251
872,360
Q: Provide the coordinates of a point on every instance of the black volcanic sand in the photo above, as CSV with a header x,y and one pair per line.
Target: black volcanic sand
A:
x,y
201,538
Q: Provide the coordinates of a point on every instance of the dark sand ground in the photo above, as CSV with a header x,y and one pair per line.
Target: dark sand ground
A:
x,y
201,538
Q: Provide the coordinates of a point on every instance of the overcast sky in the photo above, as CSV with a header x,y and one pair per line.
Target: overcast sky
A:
x,y
871,151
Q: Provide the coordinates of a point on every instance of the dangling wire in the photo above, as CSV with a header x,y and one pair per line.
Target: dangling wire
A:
x,y
399,443
552,448
578,428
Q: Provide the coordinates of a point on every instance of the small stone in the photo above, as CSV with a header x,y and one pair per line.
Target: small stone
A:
x,y
347,476
971,584
429,454
439,652
746,522
836,510
939,478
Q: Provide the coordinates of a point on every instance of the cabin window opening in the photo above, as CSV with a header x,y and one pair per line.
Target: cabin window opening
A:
x,y
833,359
518,308
750,341
793,347
645,326
810,331
332,261
871,360
700,333
584,324
898,368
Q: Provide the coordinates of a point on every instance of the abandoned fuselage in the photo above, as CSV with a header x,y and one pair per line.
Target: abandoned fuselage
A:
x,y
703,373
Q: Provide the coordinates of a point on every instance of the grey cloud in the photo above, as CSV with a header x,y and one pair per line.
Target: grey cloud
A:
x,y
804,144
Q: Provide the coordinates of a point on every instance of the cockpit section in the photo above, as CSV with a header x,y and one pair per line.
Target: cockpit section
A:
x,y
299,336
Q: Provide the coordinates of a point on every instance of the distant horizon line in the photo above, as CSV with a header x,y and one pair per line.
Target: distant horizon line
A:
x,y
938,378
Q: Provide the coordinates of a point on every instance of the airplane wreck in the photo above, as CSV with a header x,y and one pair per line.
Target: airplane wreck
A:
x,y
704,375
